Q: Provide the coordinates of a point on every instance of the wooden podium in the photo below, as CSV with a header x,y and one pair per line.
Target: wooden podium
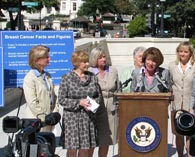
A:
x,y
146,106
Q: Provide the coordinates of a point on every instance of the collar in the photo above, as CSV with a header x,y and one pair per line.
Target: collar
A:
x,y
38,74
96,71
189,65
143,70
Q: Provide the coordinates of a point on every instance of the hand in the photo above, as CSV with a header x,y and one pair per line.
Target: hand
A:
x,y
85,103
191,111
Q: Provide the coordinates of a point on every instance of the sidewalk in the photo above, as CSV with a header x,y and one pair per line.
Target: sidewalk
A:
x,y
113,150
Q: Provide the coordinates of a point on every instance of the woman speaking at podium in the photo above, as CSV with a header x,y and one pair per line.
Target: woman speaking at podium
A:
x,y
151,77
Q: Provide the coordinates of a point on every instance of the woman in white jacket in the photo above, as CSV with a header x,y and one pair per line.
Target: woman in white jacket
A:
x,y
182,72
38,87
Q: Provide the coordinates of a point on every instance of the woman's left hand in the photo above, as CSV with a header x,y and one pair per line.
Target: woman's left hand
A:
x,y
85,103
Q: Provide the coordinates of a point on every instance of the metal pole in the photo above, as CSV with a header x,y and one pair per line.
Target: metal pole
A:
x,y
20,16
152,20
184,35
40,21
162,20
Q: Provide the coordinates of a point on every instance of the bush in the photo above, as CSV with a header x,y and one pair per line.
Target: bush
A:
x,y
137,27
192,40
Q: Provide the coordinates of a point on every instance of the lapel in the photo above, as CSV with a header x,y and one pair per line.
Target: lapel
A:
x,y
187,72
43,79
177,71
49,82
154,81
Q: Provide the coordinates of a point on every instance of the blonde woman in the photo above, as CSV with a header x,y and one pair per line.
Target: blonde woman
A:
x,y
108,81
79,123
182,72
38,87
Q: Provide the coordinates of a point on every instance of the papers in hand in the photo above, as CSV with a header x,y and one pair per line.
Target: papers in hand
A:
x,y
94,105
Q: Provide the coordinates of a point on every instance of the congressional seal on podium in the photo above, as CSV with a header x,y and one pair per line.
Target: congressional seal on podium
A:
x,y
143,134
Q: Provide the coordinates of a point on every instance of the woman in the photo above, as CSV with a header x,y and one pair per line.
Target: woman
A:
x,y
126,72
79,130
151,77
108,81
38,87
182,72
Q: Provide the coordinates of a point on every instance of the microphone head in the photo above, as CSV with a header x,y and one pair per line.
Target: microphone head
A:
x,y
52,118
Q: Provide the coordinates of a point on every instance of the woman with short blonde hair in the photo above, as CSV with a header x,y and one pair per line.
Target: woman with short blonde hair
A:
x,y
38,86
182,72
79,122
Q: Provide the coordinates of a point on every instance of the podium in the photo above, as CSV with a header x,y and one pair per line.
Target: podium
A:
x,y
143,124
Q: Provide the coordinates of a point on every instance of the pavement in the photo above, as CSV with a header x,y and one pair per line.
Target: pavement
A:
x,y
113,150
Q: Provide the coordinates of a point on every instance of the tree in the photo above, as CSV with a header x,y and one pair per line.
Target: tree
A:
x,y
137,27
182,17
125,7
143,5
181,14
7,4
89,7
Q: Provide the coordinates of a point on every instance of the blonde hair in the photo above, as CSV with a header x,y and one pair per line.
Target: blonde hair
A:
x,y
78,57
95,54
36,53
191,49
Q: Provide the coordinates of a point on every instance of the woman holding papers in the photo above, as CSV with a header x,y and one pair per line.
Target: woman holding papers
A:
x,y
78,93
108,80
151,77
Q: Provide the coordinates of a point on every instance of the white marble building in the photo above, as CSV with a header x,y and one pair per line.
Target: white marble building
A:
x,y
70,7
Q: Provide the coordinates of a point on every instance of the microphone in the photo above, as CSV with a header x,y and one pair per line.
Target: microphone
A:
x,y
162,82
126,82
140,78
52,118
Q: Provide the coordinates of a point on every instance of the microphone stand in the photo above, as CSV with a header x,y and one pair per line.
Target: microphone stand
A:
x,y
121,86
115,100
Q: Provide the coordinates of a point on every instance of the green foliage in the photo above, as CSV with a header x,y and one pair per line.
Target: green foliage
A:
x,y
182,15
89,7
192,40
125,7
8,25
6,4
137,27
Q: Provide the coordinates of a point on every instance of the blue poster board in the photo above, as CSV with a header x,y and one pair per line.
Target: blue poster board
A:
x,y
1,79
16,46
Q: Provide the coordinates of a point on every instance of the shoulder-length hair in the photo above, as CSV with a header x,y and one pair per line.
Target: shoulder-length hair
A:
x,y
191,49
78,57
95,54
37,52
155,54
